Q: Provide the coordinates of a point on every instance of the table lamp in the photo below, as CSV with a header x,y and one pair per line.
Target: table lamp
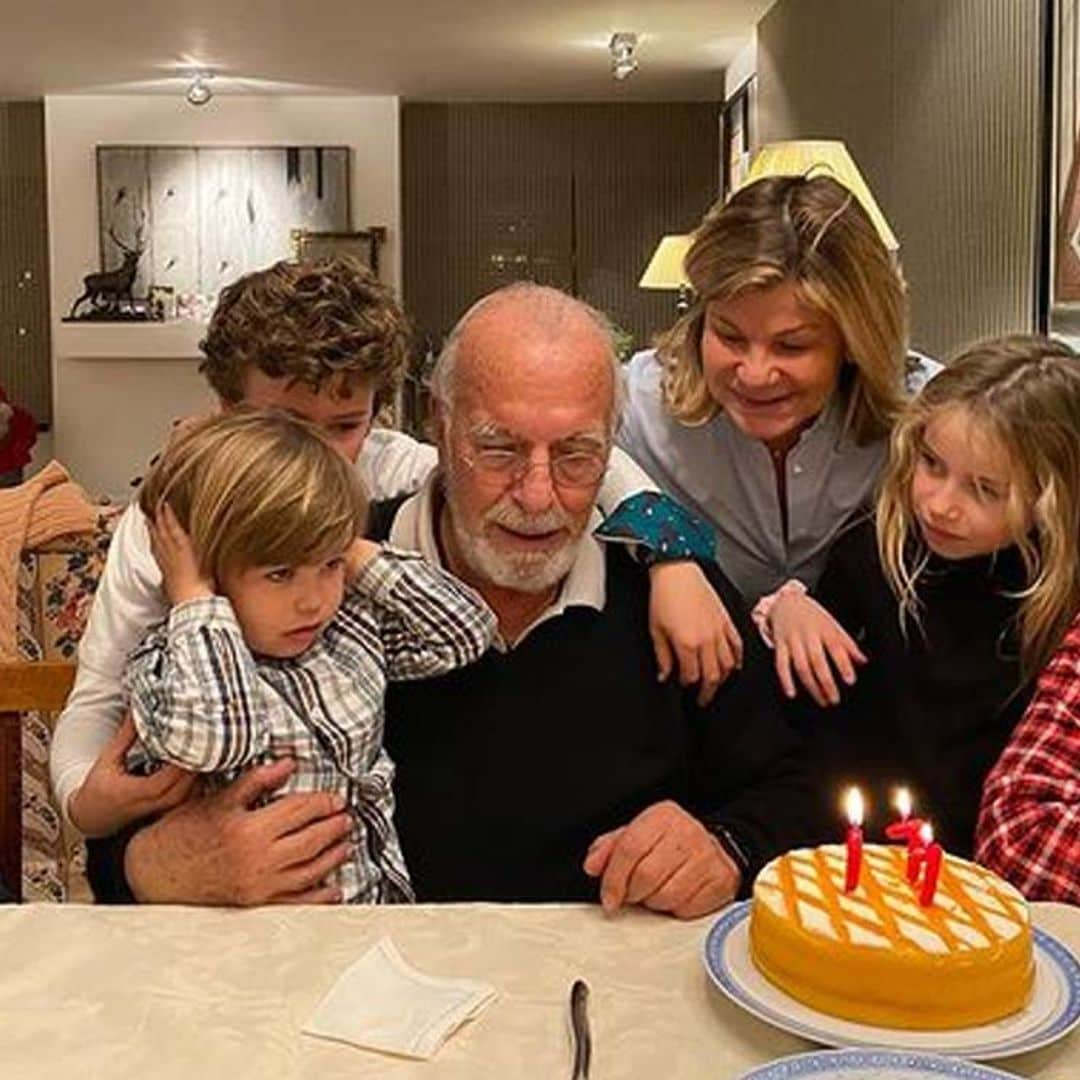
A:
x,y
820,157
665,269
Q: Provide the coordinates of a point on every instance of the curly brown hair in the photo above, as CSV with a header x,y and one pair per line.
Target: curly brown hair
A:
x,y
317,323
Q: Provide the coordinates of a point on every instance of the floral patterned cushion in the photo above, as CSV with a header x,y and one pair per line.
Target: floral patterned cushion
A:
x,y
55,588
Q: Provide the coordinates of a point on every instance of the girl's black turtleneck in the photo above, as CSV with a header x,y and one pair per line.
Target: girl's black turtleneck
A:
x,y
933,707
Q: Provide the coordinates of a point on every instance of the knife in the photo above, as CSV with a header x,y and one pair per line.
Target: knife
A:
x,y
579,1023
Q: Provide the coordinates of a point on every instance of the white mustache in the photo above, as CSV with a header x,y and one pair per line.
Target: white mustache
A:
x,y
512,517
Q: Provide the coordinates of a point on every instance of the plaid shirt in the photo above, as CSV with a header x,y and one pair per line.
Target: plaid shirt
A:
x,y
200,698
1029,825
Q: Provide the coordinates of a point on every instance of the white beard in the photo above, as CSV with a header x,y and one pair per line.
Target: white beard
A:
x,y
529,572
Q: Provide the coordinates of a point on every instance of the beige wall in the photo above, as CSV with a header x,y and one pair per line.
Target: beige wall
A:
x,y
111,411
938,101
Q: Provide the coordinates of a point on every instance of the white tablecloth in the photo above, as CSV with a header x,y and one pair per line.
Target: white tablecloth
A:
x,y
89,992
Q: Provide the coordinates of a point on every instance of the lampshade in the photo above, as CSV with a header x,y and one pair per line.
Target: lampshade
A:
x,y
665,269
820,157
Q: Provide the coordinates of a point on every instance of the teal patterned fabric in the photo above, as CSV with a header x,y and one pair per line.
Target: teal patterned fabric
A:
x,y
662,529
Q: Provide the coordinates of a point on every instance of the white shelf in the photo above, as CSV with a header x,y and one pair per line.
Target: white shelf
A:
x,y
177,339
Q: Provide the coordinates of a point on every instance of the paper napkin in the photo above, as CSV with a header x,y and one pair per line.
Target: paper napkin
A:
x,y
381,1003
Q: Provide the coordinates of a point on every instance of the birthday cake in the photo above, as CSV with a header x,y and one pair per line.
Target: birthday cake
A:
x,y
876,955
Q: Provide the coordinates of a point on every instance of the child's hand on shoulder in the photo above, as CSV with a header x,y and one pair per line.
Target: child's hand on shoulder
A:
x,y
175,555
809,644
359,554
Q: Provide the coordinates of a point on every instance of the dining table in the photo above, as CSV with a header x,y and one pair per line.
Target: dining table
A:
x,y
90,992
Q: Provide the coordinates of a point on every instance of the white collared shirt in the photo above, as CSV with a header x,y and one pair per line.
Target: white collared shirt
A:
x,y
584,586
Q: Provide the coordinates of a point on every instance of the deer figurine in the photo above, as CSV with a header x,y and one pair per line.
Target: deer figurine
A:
x,y
106,290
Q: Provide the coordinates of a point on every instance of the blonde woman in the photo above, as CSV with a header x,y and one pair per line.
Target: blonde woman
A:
x,y
268,650
961,590
768,407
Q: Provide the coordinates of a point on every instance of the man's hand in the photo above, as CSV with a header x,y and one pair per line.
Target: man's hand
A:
x,y
218,850
175,554
806,639
110,797
688,620
666,860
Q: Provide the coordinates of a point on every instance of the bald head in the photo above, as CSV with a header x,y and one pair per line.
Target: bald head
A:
x,y
525,406
559,337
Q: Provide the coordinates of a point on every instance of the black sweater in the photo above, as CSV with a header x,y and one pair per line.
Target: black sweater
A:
x,y
932,710
509,768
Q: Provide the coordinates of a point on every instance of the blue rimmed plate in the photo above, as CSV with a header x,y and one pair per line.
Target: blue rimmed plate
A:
x,y
1053,1011
874,1065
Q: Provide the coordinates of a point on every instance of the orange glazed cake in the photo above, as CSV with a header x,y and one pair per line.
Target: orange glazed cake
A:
x,y
876,956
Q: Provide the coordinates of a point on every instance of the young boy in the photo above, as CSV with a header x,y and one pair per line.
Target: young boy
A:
x,y
268,650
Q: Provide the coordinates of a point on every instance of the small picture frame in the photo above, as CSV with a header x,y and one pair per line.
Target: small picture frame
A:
x,y
162,299
363,245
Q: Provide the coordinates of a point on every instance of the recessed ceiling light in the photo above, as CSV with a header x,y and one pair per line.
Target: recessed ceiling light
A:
x,y
198,93
623,62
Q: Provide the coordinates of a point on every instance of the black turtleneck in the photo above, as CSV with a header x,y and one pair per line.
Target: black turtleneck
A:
x,y
933,707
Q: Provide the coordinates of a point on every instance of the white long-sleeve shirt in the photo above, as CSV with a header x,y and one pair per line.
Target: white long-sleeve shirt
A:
x,y
130,600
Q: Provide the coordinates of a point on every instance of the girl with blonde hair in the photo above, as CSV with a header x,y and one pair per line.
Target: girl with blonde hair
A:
x,y
270,648
767,408
958,593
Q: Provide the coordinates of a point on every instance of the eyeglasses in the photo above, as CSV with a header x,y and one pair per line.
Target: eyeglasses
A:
x,y
575,468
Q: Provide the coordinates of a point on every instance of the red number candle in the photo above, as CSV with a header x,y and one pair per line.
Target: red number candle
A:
x,y
934,856
907,828
918,842
854,806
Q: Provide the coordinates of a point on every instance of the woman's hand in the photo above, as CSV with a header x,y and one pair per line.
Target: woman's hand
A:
x,y
687,620
807,638
175,555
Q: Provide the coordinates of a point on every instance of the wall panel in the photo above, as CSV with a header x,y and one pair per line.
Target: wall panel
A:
x,y
938,101
575,196
24,260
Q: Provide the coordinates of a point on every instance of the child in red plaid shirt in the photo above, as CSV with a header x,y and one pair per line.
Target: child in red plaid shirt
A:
x,y
1029,825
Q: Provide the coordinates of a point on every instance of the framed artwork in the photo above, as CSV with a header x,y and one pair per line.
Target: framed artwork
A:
x,y
1067,269
363,245
205,215
736,137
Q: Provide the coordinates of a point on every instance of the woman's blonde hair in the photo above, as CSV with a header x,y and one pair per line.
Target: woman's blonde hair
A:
x,y
1024,393
257,487
813,233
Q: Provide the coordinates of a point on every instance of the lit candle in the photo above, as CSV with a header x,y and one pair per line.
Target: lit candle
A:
x,y
907,828
916,852
931,873
854,806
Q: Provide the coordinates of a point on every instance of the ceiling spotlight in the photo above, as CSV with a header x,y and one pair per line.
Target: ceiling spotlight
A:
x,y
623,63
198,93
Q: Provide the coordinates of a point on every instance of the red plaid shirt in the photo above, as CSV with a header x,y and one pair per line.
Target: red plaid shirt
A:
x,y
1029,824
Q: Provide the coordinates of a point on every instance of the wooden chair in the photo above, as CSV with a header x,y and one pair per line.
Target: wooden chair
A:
x,y
24,685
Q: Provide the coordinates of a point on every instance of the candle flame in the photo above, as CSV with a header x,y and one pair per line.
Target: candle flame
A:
x,y
903,802
926,833
853,804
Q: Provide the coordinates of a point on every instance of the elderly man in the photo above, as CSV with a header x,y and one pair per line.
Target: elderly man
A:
x,y
559,757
